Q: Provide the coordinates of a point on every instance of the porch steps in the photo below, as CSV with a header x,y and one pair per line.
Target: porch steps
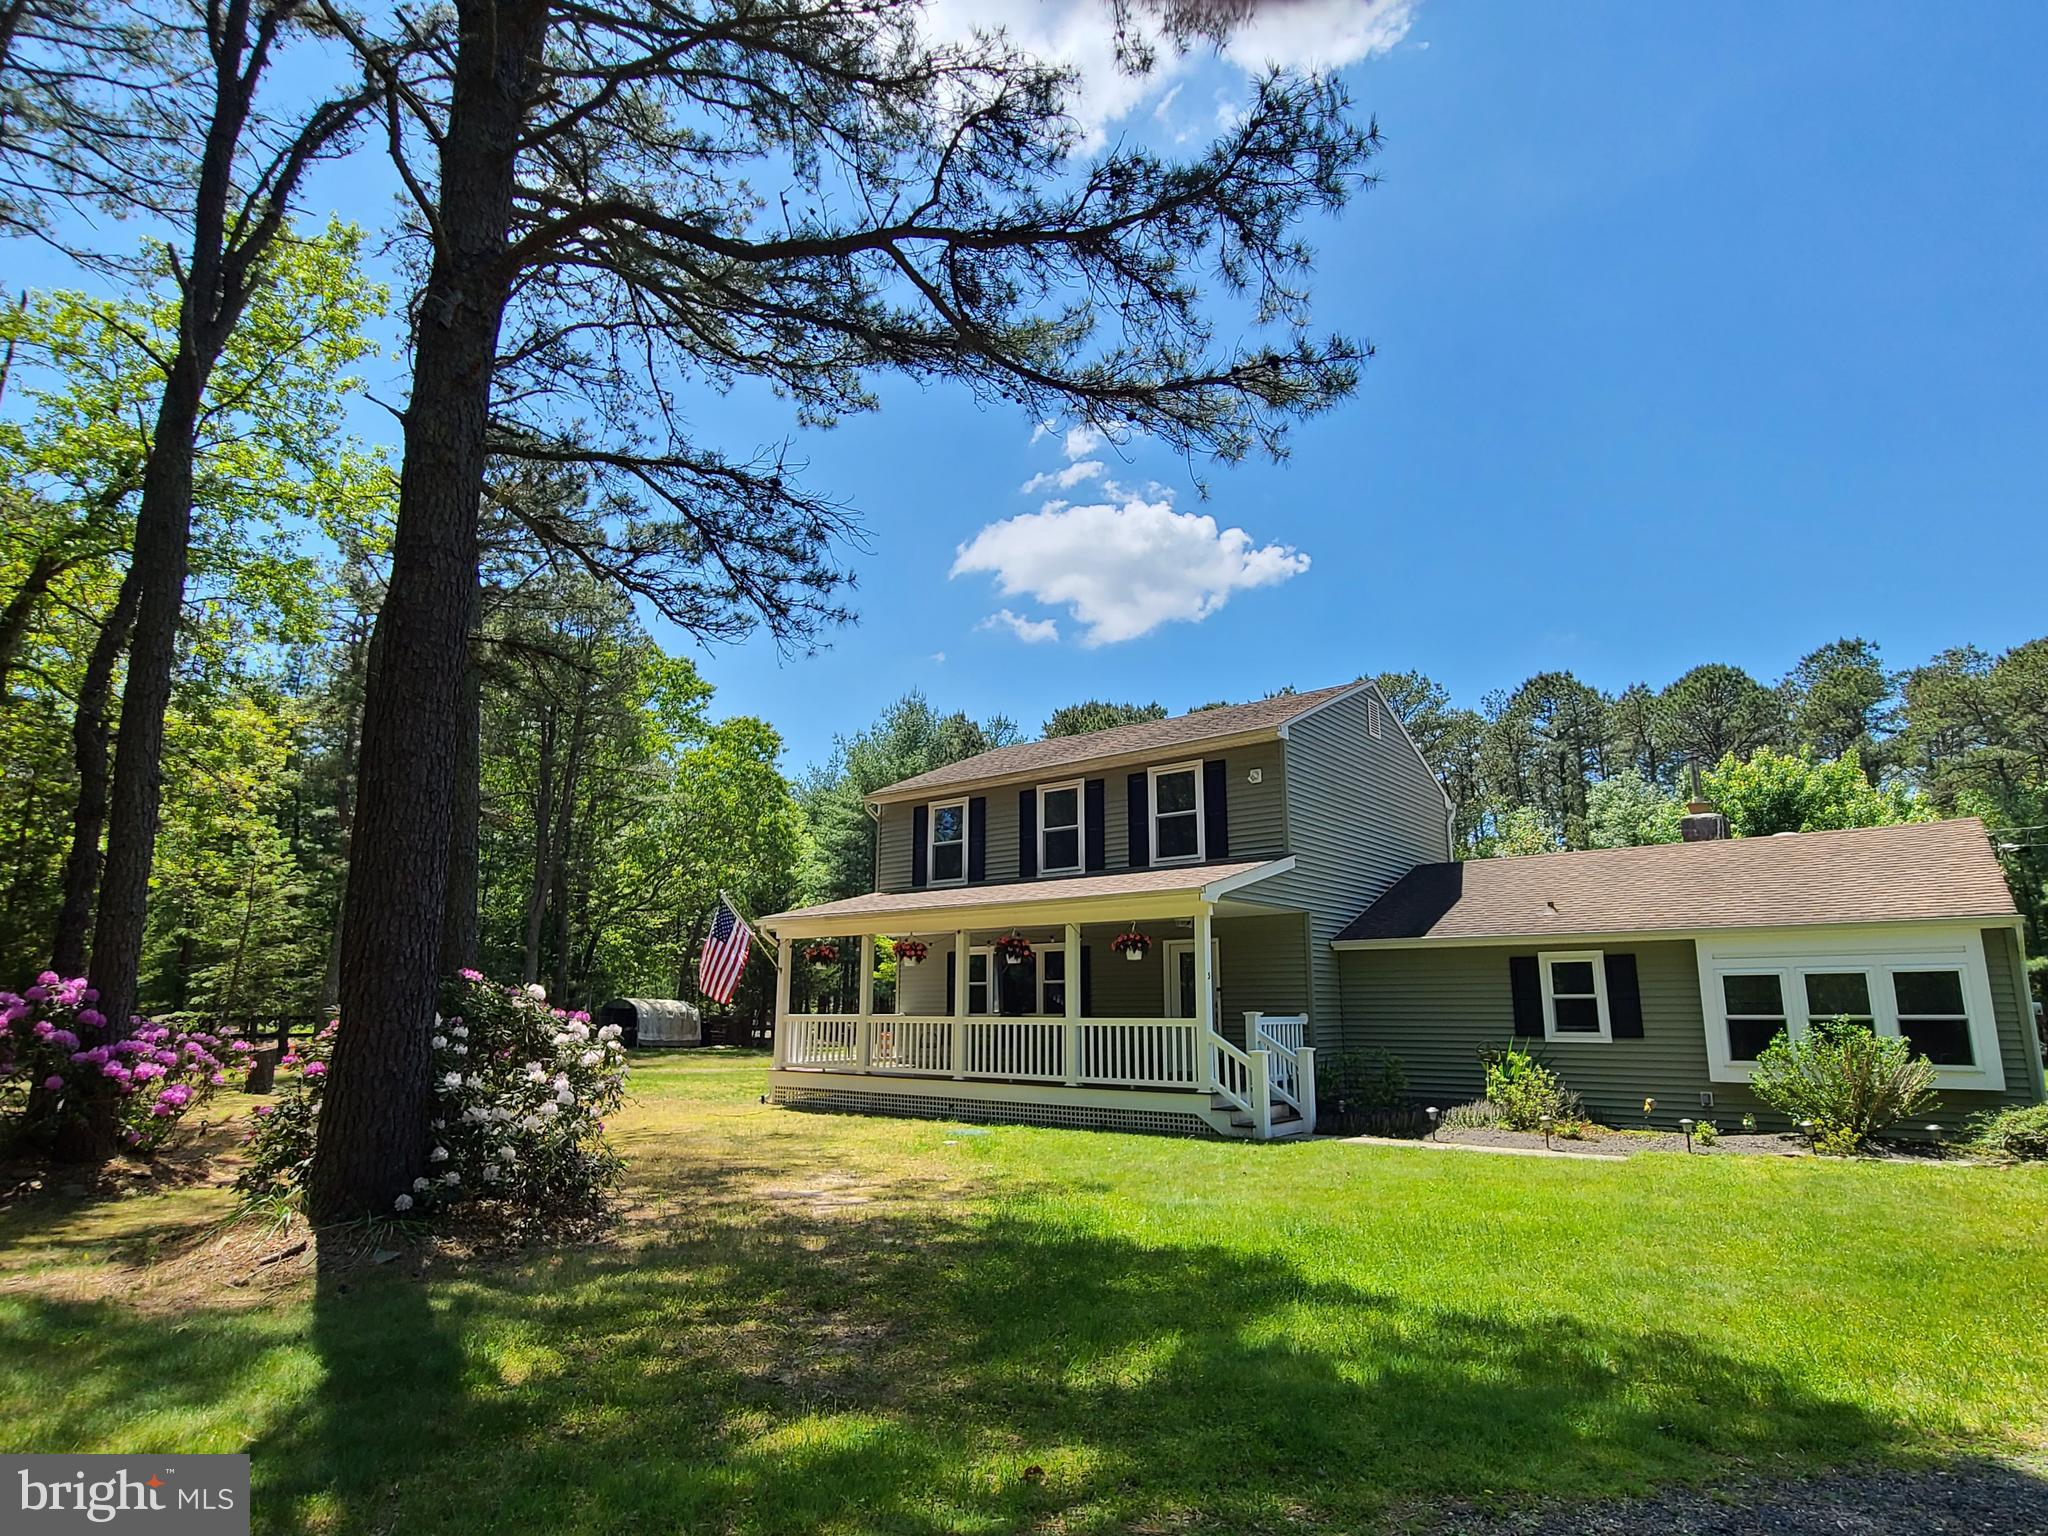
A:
x,y
1287,1119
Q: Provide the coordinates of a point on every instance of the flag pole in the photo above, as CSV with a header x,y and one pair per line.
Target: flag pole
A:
x,y
753,932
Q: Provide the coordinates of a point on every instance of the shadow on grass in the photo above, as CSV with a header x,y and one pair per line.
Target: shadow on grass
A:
x,y
917,1372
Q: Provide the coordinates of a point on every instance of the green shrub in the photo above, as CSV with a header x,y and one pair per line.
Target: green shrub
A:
x,y
1706,1133
1850,1082
2012,1135
1525,1091
1479,1115
1364,1081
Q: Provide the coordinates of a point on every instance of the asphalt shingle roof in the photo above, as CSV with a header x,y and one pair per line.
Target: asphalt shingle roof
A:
x,y
1915,872
1179,877
1145,737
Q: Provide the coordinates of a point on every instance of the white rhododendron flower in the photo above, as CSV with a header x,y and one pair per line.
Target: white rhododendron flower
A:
x,y
438,1155
451,1178
419,1186
453,1080
536,991
440,1042
403,1203
507,1154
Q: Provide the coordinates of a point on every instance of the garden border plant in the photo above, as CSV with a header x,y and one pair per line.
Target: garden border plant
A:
x,y
1848,1082
63,1079
521,1091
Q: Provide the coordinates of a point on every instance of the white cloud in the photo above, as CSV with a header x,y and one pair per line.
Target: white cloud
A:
x,y
1062,479
1326,34
1124,570
939,657
1030,631
1083,440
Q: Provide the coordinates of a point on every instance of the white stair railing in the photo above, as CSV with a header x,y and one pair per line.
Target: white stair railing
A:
x,y
1243,1079
1291,1060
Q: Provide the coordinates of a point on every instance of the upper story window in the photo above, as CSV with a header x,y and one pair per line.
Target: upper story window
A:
x,y
948,847
1177,814
1575,995
1059,828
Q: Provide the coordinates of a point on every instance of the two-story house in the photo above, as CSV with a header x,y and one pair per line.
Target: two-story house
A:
x,y
1153,927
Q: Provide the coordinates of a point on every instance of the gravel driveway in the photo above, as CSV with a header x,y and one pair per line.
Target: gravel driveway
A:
x,y
1985,1498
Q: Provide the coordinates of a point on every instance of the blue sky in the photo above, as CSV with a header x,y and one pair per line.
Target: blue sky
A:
x,y
1705,333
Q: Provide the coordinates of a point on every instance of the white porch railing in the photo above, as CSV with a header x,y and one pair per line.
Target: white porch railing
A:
x,y
1277,1066
820,1040
1017,1048
904,1043
1123,1053
1290,1060
1146,1053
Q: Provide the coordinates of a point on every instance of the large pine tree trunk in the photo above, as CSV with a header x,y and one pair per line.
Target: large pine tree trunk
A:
x,y
459,908
163,531
89,759
373,1124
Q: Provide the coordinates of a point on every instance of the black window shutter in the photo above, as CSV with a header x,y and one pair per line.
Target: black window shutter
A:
x,y
1141,832
920,849
1215,809
952,979
1528,990
977,839
1097,837
1087,986
1027,833
1624,998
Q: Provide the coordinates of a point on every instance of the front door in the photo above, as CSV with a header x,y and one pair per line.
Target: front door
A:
x,y
1179,955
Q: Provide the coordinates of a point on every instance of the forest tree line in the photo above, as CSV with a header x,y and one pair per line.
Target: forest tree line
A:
x,y
1840,740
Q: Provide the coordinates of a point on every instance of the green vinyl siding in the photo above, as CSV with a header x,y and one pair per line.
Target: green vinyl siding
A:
x,y
1256,815
1438,1008
2018,1042
1362,810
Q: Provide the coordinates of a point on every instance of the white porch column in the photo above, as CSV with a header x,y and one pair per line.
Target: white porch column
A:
x,y
1073,991
1205,998
958,1059
864,1045
781,1057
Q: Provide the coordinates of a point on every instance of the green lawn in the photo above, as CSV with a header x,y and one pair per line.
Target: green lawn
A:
x,y
815,1322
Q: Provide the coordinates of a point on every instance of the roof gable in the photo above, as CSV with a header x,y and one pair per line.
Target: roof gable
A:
x,y
1260,718
1916,872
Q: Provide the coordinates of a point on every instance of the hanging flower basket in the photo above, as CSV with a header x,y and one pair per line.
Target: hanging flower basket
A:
x,y
910,951
1132,946
1013,949
822,954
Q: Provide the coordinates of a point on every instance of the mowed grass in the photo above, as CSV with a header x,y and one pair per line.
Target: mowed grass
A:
x,y
812,1322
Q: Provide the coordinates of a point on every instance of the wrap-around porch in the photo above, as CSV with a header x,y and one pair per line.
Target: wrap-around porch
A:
x,y
1039,1010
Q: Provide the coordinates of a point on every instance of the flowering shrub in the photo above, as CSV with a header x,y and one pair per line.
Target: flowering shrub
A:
x,y
58,1067
520,1095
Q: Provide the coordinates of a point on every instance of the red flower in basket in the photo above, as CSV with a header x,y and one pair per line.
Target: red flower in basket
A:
x,y
1013,948
910,951
822,954
1132,946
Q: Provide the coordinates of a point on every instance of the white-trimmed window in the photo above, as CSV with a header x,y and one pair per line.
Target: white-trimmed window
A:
x,y
1052,979
1177,814
946,849
980,966
1059,828
1575,995
1933,1017
1754,1003
1929,987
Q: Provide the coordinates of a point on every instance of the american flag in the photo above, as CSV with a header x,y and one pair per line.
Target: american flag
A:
x,y
725,954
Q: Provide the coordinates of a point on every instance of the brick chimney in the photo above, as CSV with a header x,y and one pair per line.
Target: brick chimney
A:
x,y
1701,823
